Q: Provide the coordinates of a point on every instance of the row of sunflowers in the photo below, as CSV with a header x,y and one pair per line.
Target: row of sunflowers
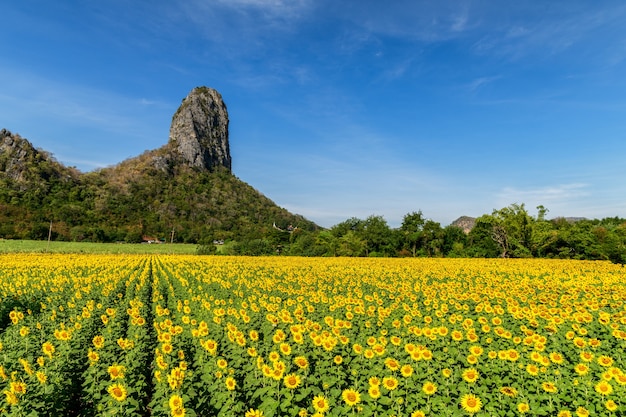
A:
x,y
100,335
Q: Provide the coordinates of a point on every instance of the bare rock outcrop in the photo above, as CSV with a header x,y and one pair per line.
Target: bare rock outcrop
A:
x,y
465,222
199,130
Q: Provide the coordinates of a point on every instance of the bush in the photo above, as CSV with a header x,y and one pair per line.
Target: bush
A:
x,y
207,249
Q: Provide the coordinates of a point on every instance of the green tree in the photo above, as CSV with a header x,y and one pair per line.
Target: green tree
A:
x,y
454,241
377,236
481,243
411,228
328,243
432,238
511,229
353,224
351,244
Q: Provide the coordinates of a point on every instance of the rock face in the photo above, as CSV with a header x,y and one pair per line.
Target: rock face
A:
x,y
14,153
465,222
199,130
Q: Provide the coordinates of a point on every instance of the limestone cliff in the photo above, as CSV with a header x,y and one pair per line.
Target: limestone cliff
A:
x,y
199,130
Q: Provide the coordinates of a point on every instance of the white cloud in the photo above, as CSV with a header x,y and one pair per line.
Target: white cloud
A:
x,y
481,81
557,198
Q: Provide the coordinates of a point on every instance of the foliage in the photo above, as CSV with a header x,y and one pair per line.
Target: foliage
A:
x,y
147,198
136,198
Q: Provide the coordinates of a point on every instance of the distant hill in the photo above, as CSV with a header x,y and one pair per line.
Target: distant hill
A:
x,y
465,222
184,189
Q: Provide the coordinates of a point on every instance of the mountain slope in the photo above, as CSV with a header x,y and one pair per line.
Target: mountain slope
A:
x,y
184,189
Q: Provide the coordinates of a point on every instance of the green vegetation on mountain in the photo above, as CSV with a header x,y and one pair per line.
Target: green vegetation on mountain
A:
x,y
129,201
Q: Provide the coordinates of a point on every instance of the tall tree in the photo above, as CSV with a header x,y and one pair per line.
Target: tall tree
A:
x,y
351,244
454,241
377,235
432,238
412,226
512,230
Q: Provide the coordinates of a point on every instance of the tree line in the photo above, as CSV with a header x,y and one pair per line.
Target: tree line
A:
x,y
510,232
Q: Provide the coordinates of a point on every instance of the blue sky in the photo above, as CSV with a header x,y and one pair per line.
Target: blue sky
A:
x,y
341,108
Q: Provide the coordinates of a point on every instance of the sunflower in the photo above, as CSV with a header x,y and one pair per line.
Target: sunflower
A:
x,y
17,387
301,362
603,388
523,407
320,404
222,363
392,364
374,391
610,405
48,349
509,391
230,383
285,349
116,371
471,403
532,369
581,369
292,381
211,346
429,388
117,391
564,413
175,402
549,387
512,355
11,398
351,397
605,361
266,370
93,356
476,350
418,413
470,375
390,383
98,342
556,357
582,412
254,413
374,380
406,371
41,377
167,348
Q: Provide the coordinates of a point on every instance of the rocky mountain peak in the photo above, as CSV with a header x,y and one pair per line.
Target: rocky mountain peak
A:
x,y
465,222
199,130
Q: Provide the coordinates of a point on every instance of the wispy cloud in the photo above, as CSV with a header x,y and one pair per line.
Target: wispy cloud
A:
x,y
558,197
271,8
513,35
59,117
477,83
417,20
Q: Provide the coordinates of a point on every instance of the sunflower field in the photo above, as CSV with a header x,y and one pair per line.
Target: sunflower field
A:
x,y
178,335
